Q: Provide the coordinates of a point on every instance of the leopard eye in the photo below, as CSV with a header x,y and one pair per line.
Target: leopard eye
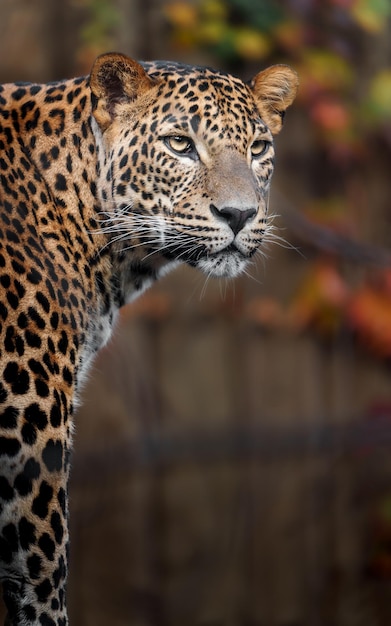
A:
x,y
181,145
258,148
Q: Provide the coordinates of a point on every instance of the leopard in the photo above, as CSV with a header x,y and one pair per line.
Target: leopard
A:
x,y
107,182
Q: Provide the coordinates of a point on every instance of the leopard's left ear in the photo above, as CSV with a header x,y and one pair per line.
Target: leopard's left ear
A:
x,y
115,79
274,90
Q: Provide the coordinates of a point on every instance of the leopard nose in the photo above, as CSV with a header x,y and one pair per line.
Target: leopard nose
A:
x,y
236,218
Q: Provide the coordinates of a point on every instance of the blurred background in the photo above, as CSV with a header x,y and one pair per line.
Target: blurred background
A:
x,y
232,461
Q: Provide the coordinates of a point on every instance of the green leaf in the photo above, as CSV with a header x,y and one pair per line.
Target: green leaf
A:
x,y
371,15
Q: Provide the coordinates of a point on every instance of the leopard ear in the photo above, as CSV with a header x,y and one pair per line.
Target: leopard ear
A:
x,y
274,90
115,79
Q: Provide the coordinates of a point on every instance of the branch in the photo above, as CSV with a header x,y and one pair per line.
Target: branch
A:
x,y
326,240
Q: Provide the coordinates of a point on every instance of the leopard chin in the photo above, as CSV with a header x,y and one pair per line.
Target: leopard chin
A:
x,y
224,264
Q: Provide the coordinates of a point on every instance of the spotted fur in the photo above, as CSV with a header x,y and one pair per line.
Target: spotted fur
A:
x,y
107,182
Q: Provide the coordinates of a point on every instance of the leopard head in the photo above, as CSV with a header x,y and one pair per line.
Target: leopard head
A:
x,y
185,159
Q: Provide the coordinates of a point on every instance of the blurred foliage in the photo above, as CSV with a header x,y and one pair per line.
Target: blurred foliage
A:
x,y
97,32
238,29
328,302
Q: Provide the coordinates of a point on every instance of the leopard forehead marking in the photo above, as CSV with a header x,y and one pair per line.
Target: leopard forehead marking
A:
x,y
106,183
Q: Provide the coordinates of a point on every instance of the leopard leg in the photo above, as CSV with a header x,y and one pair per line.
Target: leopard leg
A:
x,y
34,528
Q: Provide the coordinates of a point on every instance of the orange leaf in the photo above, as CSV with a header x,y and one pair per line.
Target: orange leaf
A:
x,y
369,313
181,14
331,115
321,298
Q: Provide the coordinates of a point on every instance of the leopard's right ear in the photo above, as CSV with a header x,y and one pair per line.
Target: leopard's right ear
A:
x,y
115,79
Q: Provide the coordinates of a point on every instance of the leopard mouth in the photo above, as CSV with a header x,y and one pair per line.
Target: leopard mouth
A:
x,y
228,262
194,254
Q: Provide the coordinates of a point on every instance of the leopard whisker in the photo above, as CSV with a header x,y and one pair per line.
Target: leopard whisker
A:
x,y
176,245
271,238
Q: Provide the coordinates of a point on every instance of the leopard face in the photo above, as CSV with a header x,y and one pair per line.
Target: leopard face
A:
x,y
185,166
